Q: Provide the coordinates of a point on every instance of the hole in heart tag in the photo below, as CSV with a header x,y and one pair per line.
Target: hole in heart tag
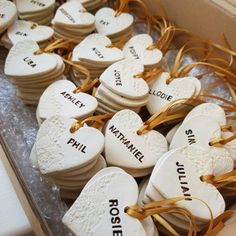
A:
x,y
73,22
8,14
139,152
101,204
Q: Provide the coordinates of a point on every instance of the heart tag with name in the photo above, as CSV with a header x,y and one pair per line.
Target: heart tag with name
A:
x,y
137,48
28,64
161,93
95,48
30,6
125,148
8,13
183,168
199,129
120,79
58,149
22,30
107,23
74,14
59,99
101,205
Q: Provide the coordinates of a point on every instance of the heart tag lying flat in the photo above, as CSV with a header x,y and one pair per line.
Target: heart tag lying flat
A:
x,y
8,13
58,149
208,109
137,48
22,30
107,23
29,6
28,64
59,99
119,78
199,129
161,93
74,14
101,205
125,148
94,48
183,169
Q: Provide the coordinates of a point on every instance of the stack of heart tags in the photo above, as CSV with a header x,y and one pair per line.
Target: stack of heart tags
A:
x,y
8,14
40,12
101,205
31,70
125,148
120,89
68,159
73,22
114,25
22,30
91,5
163,92
139,48
95,54
60,98
191,157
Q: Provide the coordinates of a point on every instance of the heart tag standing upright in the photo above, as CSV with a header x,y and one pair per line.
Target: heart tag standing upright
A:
x,y
101,205
73,22
8,13
114,26
60,99
133,152
118,83
163,93
40,12
34,71
22,30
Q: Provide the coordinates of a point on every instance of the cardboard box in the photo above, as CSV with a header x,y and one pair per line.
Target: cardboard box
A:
x,y
205,18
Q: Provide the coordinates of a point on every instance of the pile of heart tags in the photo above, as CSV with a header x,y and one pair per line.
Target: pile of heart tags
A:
x,y
94,81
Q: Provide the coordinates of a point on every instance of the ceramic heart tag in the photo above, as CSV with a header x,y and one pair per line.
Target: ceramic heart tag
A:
x,y
58,149
94,48
231,146
8,13
161,93
28,64
101,205
59,99
120,79
125,148
30,6
73,13
22,30
107,23
198,130
137,48
208,109
183,169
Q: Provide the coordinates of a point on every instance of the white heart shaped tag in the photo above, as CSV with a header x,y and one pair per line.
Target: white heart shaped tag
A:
x,y
161,93
94,48
8,13
125,148
101,205
29,6
183,168
22,30
137,48
107,23
198,130
59,99
58,149
28,64
120,79
72,13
